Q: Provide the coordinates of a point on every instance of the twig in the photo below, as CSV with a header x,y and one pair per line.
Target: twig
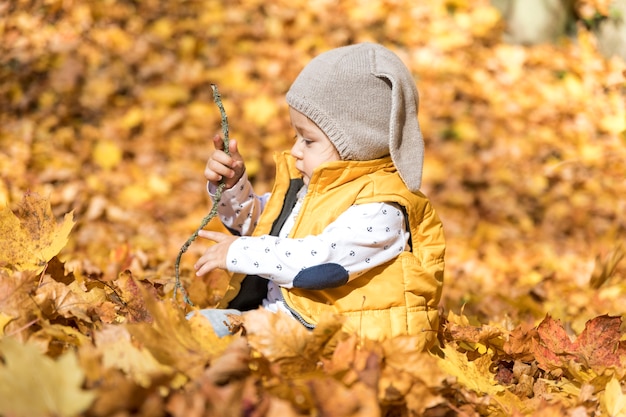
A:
x,y
216,199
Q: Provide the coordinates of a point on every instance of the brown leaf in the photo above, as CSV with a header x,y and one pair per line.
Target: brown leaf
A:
x,y
16,302
473,334
519,344
132,298
285,341
69,301
333,399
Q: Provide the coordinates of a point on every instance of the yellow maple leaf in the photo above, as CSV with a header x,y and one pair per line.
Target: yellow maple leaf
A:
x,y
31,236
33,384
118,351
476,376
172,340
473,375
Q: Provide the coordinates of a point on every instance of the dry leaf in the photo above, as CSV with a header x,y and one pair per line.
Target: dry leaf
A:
x,y
30,237
32,384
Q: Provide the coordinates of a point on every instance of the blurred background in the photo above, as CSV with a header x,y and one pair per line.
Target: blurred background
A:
x,y
106,109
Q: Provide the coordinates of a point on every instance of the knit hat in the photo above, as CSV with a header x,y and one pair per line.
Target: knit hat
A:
x,y
365,100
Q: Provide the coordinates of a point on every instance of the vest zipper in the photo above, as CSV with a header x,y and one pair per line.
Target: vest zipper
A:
x,y
295,314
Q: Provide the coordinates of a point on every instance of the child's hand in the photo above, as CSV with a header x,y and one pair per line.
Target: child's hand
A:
x,y
215,255
220,165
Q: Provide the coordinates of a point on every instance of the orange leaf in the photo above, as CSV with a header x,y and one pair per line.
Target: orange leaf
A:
x,y
553,346
599,344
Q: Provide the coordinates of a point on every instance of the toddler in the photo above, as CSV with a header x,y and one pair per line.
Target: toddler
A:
x,y
345,229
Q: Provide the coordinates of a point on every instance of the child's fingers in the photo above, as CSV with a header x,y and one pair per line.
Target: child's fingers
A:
x,y
212,235
233,148
218,142
216,169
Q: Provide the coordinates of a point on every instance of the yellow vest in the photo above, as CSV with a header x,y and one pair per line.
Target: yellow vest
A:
x,y
397,298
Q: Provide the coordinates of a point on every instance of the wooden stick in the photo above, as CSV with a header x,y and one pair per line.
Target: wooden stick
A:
x,y
216,199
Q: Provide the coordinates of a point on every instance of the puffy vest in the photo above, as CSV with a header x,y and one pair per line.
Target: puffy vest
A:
x,y
399,297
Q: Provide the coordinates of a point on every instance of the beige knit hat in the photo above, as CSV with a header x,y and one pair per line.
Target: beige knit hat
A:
x,y
364,99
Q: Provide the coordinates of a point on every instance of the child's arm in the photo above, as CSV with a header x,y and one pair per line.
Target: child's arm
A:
x,y
239,207
363,237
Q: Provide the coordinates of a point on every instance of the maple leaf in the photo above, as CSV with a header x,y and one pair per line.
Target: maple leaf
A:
x,y
172,340
477,377
285,341
404,356
552,347
68,300
473,334
519,343
32,384
30,237
597,347
474,375
131,297
119,352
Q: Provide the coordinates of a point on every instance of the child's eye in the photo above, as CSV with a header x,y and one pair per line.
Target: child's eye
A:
x,y
306,141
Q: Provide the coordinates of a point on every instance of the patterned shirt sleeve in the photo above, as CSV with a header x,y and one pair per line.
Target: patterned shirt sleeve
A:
x,y
363,237
239,207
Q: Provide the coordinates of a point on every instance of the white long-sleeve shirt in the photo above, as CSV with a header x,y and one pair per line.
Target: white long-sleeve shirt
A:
x,y
364,236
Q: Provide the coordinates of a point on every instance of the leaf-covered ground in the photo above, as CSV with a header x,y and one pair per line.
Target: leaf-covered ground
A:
x,y
106,115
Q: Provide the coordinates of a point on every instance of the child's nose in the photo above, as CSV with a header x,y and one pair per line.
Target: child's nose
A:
x,y
296,150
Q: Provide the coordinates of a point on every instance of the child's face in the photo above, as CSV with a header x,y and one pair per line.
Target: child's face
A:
x,y
312,147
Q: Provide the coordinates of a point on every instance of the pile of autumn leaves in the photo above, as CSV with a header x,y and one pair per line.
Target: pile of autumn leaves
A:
x,y
75,344
105,112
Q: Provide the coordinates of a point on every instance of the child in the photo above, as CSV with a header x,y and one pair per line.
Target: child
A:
x,y
345,229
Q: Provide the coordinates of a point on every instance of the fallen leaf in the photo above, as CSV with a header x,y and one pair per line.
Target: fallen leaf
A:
x,y
474,375
599,346
614,400
30,237
519,343
15,300
170,337
32,384
118,351
285,341
70,301
552,347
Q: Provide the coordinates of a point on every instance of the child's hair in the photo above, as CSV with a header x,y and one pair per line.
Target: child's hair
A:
x,y
364,99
